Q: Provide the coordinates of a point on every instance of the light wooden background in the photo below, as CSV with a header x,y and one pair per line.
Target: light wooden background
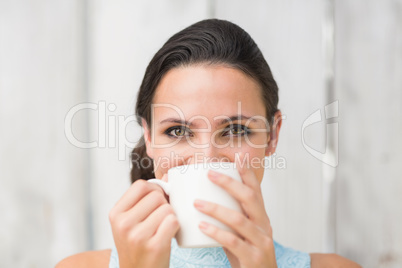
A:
x,y
55,54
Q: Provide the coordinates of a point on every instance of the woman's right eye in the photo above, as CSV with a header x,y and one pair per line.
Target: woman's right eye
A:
x,y
177,132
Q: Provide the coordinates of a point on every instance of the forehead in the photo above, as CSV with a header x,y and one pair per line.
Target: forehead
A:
x,y
207,91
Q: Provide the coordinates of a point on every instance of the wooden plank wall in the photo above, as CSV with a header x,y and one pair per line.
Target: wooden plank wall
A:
x,y
369,87
42,176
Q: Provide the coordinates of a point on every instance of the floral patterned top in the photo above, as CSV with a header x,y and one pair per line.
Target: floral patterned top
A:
x,y
216,257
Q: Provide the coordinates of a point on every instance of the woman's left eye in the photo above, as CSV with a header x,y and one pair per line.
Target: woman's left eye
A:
x,y
237,130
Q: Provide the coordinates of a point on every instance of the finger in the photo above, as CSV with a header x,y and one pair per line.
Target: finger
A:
x,y
134,194
168,228
247,175
145,207
233,243
235,220
251,201
150,225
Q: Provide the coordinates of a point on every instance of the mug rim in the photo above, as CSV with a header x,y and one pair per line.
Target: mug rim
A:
x,y
226,168
208,165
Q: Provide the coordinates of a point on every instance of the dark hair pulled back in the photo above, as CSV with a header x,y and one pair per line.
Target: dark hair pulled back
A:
x,y
210,42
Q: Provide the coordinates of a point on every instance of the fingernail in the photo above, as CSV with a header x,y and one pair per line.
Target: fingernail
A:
x,y
203,225
241,169
213,175
199,204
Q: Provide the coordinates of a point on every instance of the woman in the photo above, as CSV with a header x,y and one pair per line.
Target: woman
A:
x,y
207,72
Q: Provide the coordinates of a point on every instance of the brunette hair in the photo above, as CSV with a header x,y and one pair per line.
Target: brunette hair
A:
x,y
209,42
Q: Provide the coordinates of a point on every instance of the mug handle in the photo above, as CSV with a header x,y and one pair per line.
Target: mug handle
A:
x,y
164,185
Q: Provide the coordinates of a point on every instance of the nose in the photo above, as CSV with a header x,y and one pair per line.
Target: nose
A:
x,y
209,153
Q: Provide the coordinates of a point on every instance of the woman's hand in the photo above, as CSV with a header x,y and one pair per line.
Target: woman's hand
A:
x,y
253,246
143,224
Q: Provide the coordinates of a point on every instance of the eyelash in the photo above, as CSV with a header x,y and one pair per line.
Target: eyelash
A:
x,y
242,127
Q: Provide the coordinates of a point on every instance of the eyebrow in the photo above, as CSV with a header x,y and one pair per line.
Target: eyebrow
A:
x,y
220,122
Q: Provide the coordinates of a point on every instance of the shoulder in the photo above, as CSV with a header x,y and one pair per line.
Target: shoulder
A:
x,y
331,261
98,258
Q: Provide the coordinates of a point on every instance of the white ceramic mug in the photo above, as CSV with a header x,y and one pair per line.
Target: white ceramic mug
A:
x,y
189,182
